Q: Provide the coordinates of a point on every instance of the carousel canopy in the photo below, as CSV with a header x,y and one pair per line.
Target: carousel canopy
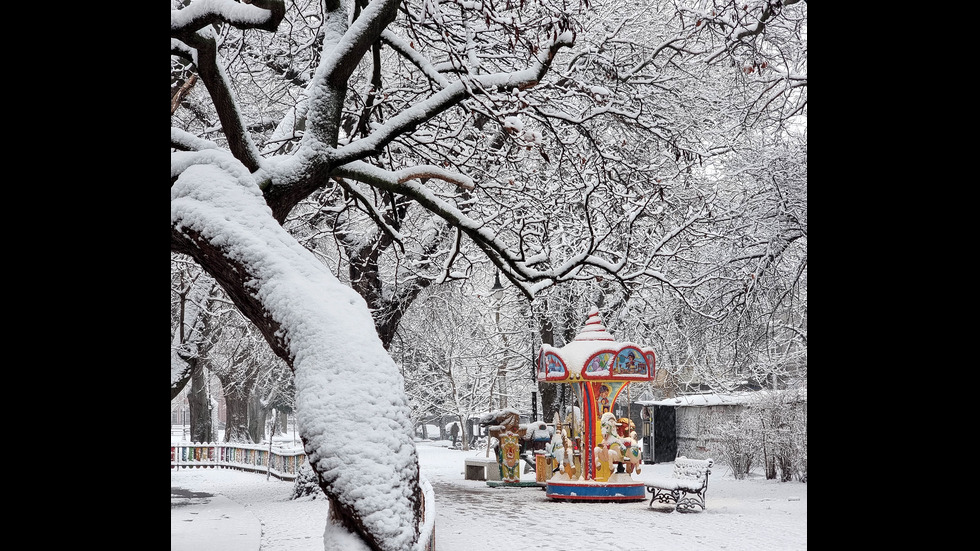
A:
x,y
595,356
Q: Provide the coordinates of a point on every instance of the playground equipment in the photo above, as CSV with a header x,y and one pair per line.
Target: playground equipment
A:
x,y
515,441
596,454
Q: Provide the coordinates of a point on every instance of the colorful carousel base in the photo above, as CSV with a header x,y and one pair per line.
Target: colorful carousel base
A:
x,y
521,484
596,491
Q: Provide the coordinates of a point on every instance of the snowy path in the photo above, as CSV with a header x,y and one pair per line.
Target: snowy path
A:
x,y
748,515
742,515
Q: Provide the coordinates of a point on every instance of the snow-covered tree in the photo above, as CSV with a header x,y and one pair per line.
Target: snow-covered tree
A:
x,y
230,199
446,351
191,330
255,381
432,121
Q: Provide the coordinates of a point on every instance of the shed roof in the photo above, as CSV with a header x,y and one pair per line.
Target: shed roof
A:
x,y
710,399
698,400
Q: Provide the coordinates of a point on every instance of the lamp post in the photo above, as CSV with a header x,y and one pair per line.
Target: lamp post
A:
x,y
497,292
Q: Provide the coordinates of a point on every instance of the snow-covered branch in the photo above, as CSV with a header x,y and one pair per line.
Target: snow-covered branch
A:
x,y
257,14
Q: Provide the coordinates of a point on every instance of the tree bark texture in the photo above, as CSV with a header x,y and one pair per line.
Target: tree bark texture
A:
x,y
236,424
257,416
199,400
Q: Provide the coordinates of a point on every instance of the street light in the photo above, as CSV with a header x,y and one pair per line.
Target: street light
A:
x,y
497,291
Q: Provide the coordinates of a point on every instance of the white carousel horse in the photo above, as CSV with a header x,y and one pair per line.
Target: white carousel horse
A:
x,y
620,450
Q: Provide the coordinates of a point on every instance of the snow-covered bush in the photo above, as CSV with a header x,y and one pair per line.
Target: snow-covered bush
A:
x,y
306,483
739,442
771,429
800,443
800,471
782,423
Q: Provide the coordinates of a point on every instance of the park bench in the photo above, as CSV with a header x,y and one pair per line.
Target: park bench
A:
x,y
480,468
686,487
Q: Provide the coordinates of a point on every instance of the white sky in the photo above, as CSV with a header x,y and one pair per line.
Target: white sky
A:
x,y
754,514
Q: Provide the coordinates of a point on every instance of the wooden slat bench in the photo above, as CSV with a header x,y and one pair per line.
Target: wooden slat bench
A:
x,y
686,487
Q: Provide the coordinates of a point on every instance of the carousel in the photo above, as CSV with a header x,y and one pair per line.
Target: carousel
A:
x,y
593,453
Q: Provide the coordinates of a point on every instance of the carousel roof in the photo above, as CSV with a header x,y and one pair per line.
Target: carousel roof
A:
x,y
595,355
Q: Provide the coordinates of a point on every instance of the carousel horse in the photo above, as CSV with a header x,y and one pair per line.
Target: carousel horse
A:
x,y
631,454
561,451
556,449
615,448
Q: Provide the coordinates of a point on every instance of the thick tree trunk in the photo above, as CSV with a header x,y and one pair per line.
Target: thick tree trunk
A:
x,y
282,423
258,263
464,435
236,425
257,416
199,399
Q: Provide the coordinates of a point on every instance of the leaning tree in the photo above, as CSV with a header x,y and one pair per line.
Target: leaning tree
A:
x,y
229,199
387,105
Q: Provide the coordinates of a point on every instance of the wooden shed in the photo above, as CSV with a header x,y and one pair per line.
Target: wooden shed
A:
x,y
683,425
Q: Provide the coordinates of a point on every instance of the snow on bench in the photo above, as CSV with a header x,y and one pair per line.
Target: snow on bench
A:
x,y
686,487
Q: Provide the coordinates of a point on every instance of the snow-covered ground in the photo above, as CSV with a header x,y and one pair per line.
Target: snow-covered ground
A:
x,y
742,515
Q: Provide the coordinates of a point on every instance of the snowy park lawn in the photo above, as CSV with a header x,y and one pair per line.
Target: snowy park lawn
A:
x,y
742,515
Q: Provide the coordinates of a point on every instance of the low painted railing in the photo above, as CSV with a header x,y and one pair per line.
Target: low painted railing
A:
x,y
281,463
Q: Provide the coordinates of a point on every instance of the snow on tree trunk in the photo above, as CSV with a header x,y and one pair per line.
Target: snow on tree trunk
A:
x,y
351,407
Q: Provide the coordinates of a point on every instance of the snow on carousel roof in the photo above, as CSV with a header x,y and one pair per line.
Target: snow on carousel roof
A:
x,y
595,355
594,330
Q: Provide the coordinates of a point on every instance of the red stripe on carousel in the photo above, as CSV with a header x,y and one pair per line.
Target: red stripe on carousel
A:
x,y
588,431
